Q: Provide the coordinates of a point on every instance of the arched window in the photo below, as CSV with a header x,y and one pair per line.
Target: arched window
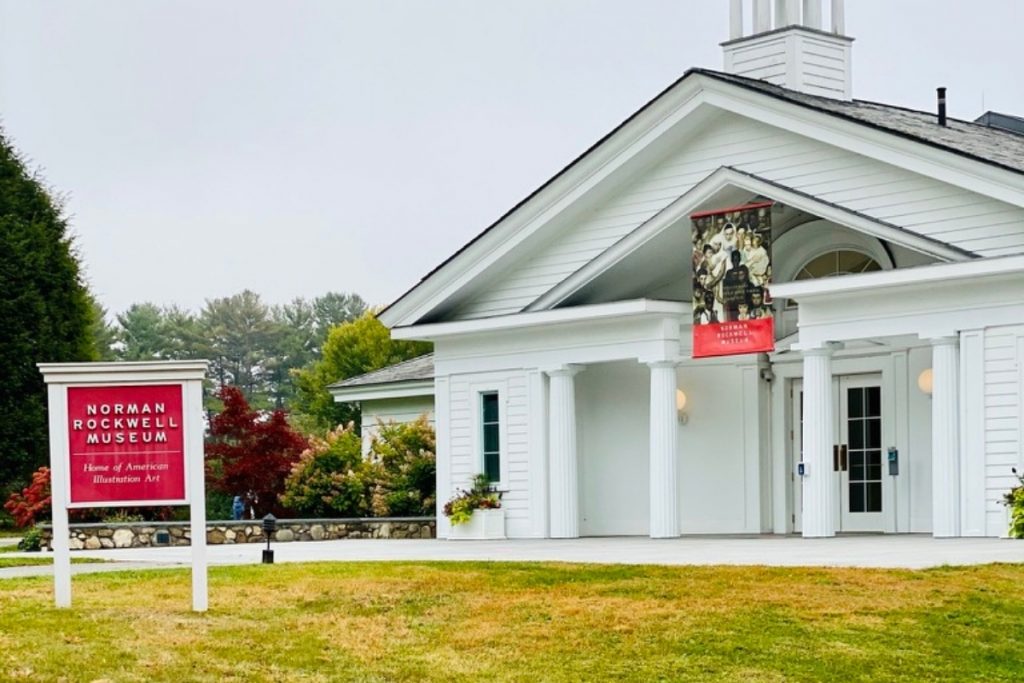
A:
x,y
833,263
839,262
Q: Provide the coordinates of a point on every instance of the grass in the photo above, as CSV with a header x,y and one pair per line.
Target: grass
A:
x,y
521,622
8,562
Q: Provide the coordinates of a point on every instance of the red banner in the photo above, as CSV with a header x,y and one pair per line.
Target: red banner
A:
x,y
126,444
732,268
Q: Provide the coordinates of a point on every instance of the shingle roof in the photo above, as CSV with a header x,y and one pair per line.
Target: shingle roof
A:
x,y
990,145
420,368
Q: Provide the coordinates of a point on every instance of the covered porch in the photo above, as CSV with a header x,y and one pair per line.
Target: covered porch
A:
x,y
966,312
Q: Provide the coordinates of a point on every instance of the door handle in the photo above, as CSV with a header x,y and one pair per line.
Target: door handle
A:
x,y
835,457
843,462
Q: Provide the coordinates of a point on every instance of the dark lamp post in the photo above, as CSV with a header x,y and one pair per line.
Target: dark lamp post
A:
x,y
269,526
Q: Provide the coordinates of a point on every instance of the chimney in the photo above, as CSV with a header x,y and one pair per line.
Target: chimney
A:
x,y
790,47
942,105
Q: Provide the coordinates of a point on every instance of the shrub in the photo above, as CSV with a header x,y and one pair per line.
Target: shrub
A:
x,y
330,479
32,541
397,478
33,502
1014,499
404,469
480,497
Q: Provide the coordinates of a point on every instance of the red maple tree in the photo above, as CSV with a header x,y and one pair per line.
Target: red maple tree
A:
x,y
250,453
33,499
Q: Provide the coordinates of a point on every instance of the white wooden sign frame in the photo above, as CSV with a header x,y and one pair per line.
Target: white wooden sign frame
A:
x,y
189,375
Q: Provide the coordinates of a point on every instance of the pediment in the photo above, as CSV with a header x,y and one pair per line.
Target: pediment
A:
x,y
653,259
701,142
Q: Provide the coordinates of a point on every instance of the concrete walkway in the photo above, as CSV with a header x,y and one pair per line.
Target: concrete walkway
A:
x,y
902,551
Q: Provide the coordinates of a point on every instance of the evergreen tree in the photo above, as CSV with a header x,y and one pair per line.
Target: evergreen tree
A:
x,y
46,313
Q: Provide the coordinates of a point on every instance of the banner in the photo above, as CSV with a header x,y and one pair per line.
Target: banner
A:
x,y
732,268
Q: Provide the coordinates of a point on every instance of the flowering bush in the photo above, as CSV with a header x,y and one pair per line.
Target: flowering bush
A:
x,y
33,501
330,479
403,468
479,497
396,478
1014,499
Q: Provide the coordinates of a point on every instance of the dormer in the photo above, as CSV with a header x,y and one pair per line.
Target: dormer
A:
x,y
787,45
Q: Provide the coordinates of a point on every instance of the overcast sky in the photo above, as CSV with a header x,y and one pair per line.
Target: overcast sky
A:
x,y
294,148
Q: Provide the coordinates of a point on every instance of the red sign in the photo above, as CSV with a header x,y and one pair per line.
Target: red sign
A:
x,y
126,444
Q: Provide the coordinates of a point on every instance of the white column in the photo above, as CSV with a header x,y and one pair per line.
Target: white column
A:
x,y
564,469
792,17
812,14
779,20
818,438
58,411
839,17
192,393
762,16
735,19
945,438
664,496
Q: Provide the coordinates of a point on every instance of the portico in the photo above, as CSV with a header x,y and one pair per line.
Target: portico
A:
x,y
952,307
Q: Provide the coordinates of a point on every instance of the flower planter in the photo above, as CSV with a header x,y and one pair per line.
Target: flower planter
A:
x,y
483,525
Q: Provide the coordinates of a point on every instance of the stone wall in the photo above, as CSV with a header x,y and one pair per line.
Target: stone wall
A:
x,y
157,534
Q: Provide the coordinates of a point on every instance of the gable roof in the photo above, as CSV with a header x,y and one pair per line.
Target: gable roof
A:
x,y
991,147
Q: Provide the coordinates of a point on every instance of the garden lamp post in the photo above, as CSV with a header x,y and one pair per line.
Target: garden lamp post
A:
x,y
269,526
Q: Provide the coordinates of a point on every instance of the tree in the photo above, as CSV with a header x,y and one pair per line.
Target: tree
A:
x,y
404,468
251,452
351,349
45,312
141,334
242,337
104,335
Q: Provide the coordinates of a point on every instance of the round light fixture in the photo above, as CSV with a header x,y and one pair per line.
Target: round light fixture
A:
x,y
680,400
924,381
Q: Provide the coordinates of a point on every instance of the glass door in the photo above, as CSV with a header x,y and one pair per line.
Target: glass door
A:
x,y
858,456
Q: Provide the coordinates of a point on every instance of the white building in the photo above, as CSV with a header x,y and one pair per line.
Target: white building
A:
x,y
563,332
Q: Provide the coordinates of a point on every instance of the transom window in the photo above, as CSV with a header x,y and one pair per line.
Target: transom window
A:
x,y
840,262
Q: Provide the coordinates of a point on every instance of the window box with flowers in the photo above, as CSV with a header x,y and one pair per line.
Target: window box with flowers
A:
x,y
476,514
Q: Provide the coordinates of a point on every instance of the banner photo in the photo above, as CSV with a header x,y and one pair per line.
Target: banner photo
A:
x,y
732,268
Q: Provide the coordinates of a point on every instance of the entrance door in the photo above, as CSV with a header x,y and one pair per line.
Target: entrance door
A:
x,y
857,455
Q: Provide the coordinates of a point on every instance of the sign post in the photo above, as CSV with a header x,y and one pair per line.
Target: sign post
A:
x,y
126,435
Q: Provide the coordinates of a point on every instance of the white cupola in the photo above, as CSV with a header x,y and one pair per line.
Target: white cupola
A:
x,y
790,47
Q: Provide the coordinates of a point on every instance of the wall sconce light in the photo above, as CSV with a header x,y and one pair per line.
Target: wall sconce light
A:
x,y
681,407
924,381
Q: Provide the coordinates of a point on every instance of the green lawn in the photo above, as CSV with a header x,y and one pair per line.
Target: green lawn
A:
x,y
521,622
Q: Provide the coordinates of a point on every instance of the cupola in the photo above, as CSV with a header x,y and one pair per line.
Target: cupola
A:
x,y
787,44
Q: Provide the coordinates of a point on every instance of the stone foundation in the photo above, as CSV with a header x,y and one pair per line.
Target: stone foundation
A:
x,y
158,534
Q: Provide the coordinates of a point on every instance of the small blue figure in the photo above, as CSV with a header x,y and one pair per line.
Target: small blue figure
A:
x,y
237,508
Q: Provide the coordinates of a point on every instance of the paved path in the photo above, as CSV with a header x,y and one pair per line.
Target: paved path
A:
x,y
901,551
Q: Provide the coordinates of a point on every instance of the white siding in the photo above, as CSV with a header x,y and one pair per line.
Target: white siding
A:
x,y
465,459
1003,412
915,202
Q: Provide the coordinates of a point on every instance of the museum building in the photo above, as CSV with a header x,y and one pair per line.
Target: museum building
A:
x,y
756,306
